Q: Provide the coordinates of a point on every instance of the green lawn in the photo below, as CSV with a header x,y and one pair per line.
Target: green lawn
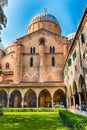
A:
x,y
31,121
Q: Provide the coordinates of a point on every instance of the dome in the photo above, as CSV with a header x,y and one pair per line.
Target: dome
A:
x,y
44,21
44,17
71,36
2,47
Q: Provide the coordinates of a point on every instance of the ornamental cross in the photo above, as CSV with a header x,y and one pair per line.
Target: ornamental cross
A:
x,y
45,10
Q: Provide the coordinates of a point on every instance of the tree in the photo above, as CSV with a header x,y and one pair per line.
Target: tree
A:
x,y
3,19
3,2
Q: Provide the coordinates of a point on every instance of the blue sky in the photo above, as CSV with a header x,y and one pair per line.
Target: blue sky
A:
x,y
20,12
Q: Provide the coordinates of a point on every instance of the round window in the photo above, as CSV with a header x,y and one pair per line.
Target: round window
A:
x,y
42,41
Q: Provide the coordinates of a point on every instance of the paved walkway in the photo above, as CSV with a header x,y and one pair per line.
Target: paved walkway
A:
x,y
80,112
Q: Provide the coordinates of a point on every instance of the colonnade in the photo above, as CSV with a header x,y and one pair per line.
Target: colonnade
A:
x,y
45,98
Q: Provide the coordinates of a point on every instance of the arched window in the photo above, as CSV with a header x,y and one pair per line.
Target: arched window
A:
x,y
31,62
50,49
53,61
53,49
0,69
0,66
31,50
34,50
7,65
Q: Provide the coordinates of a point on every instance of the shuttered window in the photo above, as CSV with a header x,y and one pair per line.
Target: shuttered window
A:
x,y
64,74
74,55
69,62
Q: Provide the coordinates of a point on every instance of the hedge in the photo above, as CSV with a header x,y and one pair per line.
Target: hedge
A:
x,y
74,121
30,109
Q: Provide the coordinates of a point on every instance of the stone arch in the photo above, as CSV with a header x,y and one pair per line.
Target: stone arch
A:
x,y
26,77
82,88
34,77
75,94
45,98
59,97
30,98
3,98
70,91
15,99
69,95
74,87
49,77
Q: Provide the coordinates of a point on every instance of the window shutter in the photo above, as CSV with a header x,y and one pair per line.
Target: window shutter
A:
x,y
69,62
64,74
74,55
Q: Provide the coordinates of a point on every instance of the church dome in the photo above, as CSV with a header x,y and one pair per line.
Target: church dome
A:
x,y
71,36
44,17
44,21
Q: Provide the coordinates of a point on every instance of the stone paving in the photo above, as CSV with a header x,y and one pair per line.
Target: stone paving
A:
x,y
80,112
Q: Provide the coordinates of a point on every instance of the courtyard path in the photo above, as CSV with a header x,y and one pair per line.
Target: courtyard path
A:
x,y
80,112
31,121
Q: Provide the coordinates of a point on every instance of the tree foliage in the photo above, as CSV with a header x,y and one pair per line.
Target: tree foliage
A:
x,y
3,3
3,19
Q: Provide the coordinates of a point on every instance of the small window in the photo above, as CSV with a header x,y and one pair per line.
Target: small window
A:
x,y
82,38
74,55
0,69
53,61
50,49
7,66
34,50
53,49
69,62
64,74
31,50
31,62
0,66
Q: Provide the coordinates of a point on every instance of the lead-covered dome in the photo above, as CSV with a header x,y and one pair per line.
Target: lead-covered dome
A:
x,y
45,21
71,36
44,17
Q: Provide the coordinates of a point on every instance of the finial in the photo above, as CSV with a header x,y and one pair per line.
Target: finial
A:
x,y
45,10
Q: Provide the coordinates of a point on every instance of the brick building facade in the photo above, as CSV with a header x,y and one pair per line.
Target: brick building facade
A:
x,y
32,67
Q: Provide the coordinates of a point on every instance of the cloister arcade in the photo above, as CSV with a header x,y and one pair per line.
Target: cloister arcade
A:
x,y
32,98
41,97
76,93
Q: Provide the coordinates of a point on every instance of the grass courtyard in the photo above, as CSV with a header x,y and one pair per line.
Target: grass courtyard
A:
x,y
31,121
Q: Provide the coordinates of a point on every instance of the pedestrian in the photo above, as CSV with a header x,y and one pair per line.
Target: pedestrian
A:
x,y
77,107
83,107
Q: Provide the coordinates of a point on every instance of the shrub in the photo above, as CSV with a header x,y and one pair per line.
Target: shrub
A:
x,y
29,109
1,111
73,120
57,106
